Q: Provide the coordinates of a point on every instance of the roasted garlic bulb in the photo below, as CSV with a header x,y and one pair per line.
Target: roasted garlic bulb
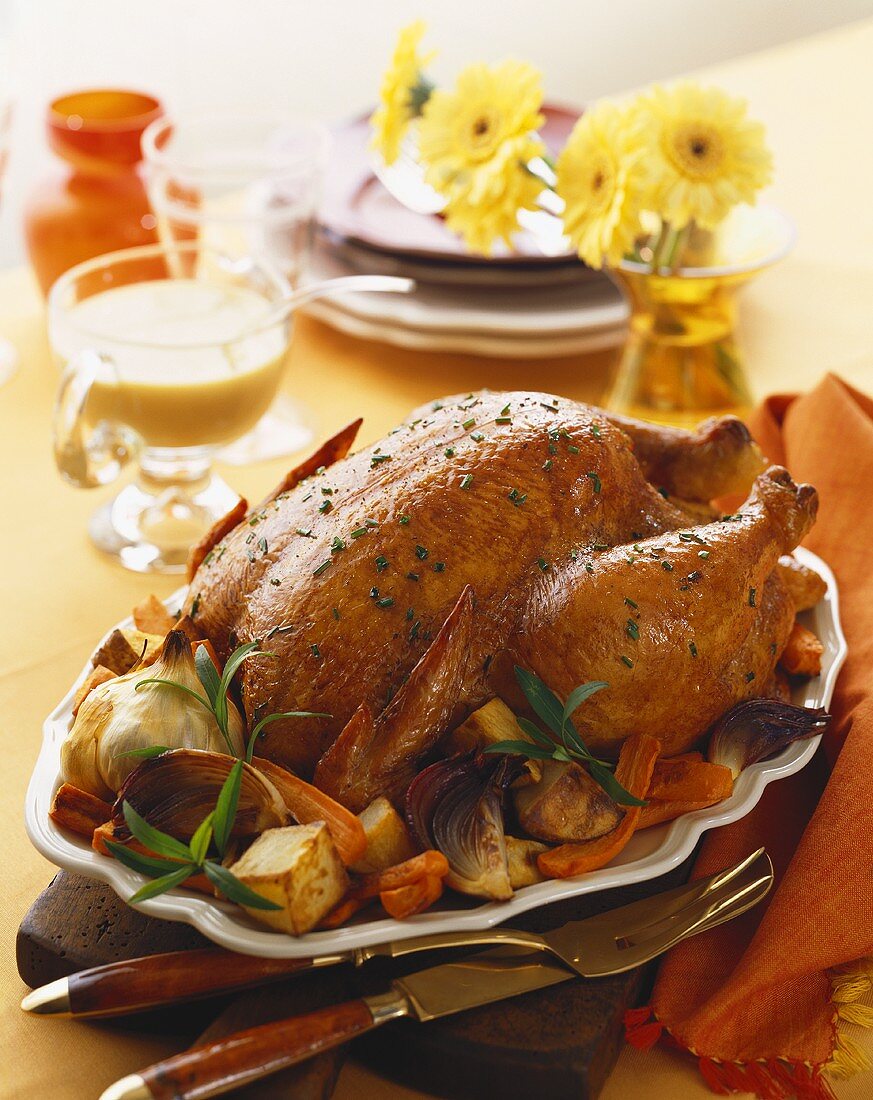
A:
x,y
115,718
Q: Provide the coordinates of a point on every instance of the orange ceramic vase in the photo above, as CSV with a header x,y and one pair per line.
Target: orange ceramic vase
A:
x,y
99,203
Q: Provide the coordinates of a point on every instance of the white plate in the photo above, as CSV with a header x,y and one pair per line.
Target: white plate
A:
x,y
650,853
468,343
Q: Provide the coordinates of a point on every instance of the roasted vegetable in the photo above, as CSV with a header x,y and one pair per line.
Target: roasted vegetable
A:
x,y
566,804
176,790
298,868
151,617
804,585
690,781
758,728
387,838
636,762
522,856
802,653
97,676
487,726
79,811
117,718
124,649
456,806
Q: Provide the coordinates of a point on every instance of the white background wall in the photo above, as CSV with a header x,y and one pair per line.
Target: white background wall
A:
x,y
323,57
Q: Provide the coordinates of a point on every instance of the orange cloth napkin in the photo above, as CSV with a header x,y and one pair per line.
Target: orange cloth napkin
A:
x,y
757,1000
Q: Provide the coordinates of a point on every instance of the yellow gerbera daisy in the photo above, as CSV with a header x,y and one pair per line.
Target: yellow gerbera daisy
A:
x,y
401,93
600,172
483,203
464,128
706,156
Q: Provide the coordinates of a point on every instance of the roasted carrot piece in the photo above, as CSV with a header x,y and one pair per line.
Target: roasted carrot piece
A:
x,y
660,810
430,864
636,762
78,810
690,781
307,803
406,901
344,911
210,649
151,617
97,676
681,756
802,653
106,831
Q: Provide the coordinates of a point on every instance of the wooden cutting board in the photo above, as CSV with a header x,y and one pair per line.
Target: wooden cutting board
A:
x,y
554,1043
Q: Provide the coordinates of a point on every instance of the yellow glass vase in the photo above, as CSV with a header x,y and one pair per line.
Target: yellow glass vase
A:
x,y
680,362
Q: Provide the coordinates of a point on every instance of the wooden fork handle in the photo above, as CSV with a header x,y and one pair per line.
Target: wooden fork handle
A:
x,y
246,1056
169,977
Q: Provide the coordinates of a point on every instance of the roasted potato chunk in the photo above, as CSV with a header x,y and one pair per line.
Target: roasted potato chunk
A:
x,y
123,649
387,838
486,726
297,867
566,805
522,859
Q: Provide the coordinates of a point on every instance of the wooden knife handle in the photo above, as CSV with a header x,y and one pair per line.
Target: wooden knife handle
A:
x,y
246,1056
152,980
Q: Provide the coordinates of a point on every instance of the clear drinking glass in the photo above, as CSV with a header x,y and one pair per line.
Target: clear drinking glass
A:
x,y
251,185
167,354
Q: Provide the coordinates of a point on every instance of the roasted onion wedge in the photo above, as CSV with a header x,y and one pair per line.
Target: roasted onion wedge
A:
x,y
758,728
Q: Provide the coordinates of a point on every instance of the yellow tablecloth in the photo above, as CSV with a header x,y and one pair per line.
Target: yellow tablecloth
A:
x,y
812,313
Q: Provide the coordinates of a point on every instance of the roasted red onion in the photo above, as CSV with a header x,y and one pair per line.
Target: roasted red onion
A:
x,y
758,728
456,806
176,790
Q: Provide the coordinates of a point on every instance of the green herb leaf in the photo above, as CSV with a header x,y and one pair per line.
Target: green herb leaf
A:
x,y
153,839
535,733
149,866
233,663
146,753
612,786
173,684
235,890
200,840
225,807
523,748
163,884
542,699
207,674
578,696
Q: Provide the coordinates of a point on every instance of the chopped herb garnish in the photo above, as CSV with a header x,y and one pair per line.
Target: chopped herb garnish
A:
x,y
307,497
409,614
403,521
377,460
664,493
466,481
439,566
315,651
633,630
195,606
695,576
325,507
358,531
477,437
703,554
412,576
504,410
627,661
630,602
286,629
547,465
516,497
381,563
750,676
469,423
325,492
337,545
503,420
250,554
336,613
543,564
595,481
666,565
553,450
386,601
752,593
589,568
416,626
572,448
307,534
275,581
321,568
374,593
371,523
595,431
450,452
693,648
250,538
421,552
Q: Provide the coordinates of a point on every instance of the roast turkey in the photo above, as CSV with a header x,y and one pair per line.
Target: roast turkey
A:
x,y
396,588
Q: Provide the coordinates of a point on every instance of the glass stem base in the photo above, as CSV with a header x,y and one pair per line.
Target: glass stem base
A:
x,y
150,526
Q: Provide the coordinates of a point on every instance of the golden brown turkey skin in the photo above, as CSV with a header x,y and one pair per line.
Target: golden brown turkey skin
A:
x,y
532,502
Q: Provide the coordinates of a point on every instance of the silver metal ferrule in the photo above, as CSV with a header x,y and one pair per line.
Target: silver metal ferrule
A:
x,y
387,1006
52,999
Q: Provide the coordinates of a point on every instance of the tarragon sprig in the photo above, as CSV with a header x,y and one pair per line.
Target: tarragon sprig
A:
x,y
174,862
566,745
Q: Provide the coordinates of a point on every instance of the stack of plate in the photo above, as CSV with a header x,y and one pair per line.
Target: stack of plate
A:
x,y
520,303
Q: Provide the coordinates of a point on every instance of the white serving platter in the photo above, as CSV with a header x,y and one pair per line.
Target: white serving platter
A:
x,y
650,853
